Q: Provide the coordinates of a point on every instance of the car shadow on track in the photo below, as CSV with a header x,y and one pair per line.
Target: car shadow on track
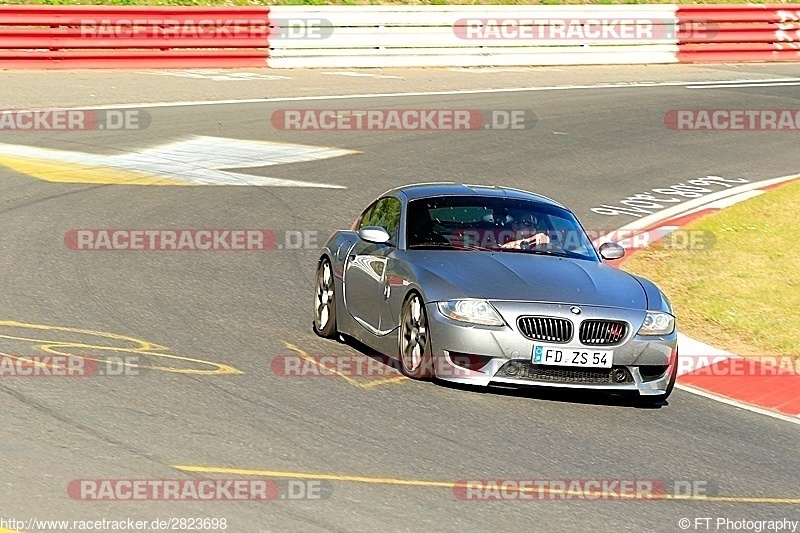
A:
x,y
585,397
578,396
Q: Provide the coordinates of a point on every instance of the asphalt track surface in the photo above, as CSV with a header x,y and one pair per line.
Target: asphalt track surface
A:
x,y
243,309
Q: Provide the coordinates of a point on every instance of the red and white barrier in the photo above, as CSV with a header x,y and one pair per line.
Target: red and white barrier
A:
x,y
475,36
394,36
737,33
125,37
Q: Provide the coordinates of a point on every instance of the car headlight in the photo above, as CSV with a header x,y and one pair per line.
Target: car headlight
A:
x,y
656,323
472,311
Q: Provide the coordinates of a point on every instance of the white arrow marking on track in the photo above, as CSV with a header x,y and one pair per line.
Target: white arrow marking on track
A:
x,y
197,161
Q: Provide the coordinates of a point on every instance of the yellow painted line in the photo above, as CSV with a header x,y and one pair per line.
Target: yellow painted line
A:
x,y
144,345
60,172
9,531
360,384
300,475
303,355
453,484
383,381
130,345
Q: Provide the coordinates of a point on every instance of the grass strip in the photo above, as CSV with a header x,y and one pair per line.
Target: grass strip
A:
x,y
742,293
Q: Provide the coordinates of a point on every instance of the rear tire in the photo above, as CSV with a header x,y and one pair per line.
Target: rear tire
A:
x,y
325,301
415,342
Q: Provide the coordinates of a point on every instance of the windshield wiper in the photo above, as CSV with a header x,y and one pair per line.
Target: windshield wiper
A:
x,y
447,246
433,245
475,247
534,251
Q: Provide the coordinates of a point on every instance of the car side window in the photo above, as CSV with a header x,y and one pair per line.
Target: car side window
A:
x,y
384,213
366,216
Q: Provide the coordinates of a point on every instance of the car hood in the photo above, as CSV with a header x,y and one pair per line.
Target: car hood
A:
x,y
528,277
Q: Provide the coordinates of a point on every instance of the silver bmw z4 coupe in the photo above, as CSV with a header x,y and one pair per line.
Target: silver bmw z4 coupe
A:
x,y
486,285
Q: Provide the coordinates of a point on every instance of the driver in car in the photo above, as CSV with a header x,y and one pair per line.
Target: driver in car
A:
x,y
524,227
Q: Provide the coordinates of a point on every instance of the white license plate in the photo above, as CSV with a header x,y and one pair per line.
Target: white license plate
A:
x,y
562,356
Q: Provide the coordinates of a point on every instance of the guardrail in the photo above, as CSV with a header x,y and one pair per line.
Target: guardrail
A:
x,y
739,33
394,36
114,37
468,36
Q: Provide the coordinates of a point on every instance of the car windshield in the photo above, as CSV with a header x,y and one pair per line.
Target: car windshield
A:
x,y
496,224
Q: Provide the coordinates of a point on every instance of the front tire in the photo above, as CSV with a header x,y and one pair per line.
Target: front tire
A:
x,y
325,301
415,342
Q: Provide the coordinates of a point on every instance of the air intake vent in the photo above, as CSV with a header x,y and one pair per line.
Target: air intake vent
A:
x,y
602,332
545,328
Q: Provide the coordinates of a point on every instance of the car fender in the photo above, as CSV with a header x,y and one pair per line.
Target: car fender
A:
x,y
405,277
656,300
336,249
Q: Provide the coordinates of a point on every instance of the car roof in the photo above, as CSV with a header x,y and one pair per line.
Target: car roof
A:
x,y
428,190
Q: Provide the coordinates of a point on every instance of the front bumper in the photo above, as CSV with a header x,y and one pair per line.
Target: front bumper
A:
x,y
479,355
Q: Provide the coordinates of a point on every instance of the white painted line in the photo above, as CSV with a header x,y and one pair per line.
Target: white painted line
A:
x,y
727,202
663,231
696,355
409,94
489,70
687,207
361,75
753,81
218,75
740,405
691,347
736,86
197,161
645,238
694,347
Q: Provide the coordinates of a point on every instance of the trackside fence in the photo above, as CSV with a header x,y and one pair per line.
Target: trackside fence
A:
x,y
130,37
394,36
737,33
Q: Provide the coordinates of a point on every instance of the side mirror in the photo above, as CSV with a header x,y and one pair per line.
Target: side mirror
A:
x,y
611,251
374,234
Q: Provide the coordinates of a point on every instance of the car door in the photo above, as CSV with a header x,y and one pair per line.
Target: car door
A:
x,y
365,267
